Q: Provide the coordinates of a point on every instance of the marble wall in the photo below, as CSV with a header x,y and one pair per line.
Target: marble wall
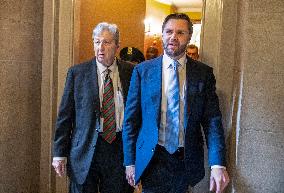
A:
x,y
246,50
260,147
20,94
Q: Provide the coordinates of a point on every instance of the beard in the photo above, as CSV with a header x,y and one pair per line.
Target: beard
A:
x,y
174,52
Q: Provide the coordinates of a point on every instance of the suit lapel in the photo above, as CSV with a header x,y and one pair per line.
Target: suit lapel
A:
x,y
122,77
189,73
155,86
94,90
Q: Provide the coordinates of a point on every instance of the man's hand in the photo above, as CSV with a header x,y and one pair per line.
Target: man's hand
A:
x,y
219,179
130,175
59,167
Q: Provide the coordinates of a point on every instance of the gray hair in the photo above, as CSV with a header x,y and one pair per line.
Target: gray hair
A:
x,y
112,28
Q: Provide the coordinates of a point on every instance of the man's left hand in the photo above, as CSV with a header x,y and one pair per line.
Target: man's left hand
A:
x,y
219,179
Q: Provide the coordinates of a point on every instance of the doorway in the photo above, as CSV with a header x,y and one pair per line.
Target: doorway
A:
x,y
61,51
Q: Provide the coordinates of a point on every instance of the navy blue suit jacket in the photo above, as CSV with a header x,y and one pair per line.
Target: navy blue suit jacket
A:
x,y
79,114
143,113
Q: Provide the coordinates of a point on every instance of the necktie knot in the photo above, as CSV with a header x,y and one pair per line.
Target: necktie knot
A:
x,y
174,65
107,73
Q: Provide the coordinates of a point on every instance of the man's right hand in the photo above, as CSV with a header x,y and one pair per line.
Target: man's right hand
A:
x,y
130,175
59,167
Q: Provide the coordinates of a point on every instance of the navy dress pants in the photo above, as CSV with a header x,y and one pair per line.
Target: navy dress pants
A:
x,y
107,173
166,173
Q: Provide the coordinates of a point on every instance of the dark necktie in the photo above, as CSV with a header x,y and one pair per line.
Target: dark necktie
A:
x,y
108,110
172,123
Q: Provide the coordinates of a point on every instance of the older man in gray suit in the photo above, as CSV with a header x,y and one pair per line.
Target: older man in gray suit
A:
x,y
87,141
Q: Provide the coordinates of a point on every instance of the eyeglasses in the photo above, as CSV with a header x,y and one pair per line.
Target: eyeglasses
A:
x,y
103,42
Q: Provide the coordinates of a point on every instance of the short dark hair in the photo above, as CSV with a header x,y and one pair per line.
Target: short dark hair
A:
x,y
192,46
178,16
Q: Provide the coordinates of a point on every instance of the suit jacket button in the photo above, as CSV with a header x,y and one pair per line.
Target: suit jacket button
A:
x,y
153,149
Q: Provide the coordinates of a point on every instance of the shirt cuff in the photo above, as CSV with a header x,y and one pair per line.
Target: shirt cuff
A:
x,y
59,158
218,166
129,166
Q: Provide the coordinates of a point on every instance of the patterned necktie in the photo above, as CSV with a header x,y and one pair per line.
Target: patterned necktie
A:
x,y
108,110
172,123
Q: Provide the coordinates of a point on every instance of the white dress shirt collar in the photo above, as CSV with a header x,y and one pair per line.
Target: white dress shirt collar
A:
x,y
102,68
167,61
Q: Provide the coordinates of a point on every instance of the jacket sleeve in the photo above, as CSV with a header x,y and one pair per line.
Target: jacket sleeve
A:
x,y
65,119
212,123
132,119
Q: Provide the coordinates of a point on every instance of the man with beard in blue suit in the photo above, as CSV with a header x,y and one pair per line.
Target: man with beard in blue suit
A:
x,y
170,99
88,141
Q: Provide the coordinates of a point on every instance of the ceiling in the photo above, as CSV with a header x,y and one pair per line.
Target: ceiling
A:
x,y
184,4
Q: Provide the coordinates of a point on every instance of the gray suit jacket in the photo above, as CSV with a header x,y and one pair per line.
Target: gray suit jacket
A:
x,y
79,113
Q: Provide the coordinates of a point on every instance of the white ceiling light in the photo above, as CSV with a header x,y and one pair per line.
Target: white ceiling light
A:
x,y
183,3
168,2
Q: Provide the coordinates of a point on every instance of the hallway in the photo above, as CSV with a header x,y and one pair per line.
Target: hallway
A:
x,y
242,40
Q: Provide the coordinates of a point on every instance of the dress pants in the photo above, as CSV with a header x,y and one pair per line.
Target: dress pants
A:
x,y
166,173
107,173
